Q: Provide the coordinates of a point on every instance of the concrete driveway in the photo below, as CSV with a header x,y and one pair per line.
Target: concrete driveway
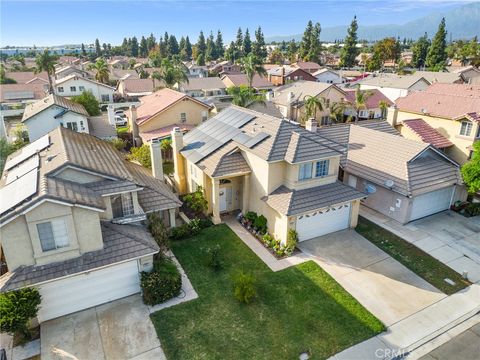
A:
x,y
384,286
121,329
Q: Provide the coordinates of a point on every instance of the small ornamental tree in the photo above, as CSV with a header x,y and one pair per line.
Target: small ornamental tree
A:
x,y
244,287
471,170
142,155
158,230
17,308
89,102
196,201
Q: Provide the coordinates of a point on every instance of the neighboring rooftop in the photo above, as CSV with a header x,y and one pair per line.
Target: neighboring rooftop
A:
x,y
25,77
300,89
22,92
52,99
76,77
203,83
140,87
426,133
374,97
395,81
241,79
306,65
440,77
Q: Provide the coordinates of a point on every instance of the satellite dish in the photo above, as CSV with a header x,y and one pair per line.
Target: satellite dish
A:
x,y
370,189
389,183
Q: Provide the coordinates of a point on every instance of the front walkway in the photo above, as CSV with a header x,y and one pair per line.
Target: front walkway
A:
x,y
449,237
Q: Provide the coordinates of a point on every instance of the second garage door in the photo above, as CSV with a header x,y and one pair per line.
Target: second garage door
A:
x,y
323,222
431,203
82,291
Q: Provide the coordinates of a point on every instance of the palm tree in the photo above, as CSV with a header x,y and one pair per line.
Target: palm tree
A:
x,y
360,102
171,73
46,62
245,97
383,105
252,65
312,104
101,70
336,110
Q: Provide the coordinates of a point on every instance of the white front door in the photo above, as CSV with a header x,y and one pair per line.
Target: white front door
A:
x,y
82,291
323,222
431,203
222,199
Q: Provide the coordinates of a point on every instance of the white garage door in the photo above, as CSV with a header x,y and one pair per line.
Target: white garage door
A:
x,y
431,203
82,291
323,222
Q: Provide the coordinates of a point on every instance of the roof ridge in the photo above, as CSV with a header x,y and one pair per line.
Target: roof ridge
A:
x,y
117,228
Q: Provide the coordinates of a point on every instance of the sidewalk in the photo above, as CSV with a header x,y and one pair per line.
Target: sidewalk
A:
x,y
417,329
447,236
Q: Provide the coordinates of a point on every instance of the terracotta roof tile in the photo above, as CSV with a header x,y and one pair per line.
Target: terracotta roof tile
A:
x,y
427,133
372,101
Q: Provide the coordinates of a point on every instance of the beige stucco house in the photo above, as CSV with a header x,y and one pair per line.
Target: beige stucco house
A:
x,y
69,219
250,161
451,110
163,110
290,98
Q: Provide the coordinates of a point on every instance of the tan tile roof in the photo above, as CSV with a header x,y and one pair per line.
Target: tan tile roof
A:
x,y
451,101
392,81
300,89
378,157
16,92
426,133
241,79
38,106
203,83
306,65
164,132
139,86
23,77
440,77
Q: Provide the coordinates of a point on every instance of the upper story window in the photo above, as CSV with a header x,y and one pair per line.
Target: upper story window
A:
x,y
72,126
60,89
321,168
81,88
122,205
105,97
183,117
53,234
466,128
73,88
305,171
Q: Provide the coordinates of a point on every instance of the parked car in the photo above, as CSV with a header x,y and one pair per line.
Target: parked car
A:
x,y
120,113
120,121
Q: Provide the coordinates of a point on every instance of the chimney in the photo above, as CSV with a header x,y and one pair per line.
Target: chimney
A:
x,y
178,161
282,75
311,125
392,115
132,123
111,115
290,98
156,157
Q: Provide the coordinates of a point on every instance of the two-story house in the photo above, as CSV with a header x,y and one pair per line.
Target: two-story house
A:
x,y
203,87
73,85
249,161
69,216
451,110
394,86
285,74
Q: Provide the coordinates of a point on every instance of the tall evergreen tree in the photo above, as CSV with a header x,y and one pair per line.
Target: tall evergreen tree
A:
x,y
219,44
315,46
210,50
259,49
188,47
98,49
292,50
84,52
124,46
162,48
143,47
166,38
420,51
306,39
173,45
239,42
349,51
437,55
247,43
201,49
134,47
151,42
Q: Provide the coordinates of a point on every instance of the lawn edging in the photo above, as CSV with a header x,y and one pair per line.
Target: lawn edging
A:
x,y
424,265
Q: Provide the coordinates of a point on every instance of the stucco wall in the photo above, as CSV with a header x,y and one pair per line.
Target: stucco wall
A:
x,y
332,94
96,89
329,77
16,244
291,177
171,116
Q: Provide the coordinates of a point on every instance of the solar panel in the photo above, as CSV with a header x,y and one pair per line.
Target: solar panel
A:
x,y
256,139
28,151
22,169
18,191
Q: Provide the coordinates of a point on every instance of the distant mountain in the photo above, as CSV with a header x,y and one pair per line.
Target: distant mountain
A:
x,y
462,23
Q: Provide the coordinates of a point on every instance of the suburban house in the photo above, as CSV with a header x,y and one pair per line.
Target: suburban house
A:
x,y
328,76
451,110
394,86
404,179
131,88
308,66
120,74
258,82
70,205
197,71
69,70
290,99
73,85
203,87
469,73
249,161
372,108
285,74
53,111
225,67
28,77
441,77
164,110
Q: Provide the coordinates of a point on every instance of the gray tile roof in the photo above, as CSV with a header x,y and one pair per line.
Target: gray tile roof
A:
x,y
203,83
393,80
105,187
40,105
295,202
225,162
100,127
121,243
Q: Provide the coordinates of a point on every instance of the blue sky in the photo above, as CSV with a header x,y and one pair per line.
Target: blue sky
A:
x,y
47,23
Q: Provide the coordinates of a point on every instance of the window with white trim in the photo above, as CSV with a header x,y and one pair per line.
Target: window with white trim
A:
x,y
73,88
122,205
72,126
305,171
466,128
321,168
105,98
53,234
60,89
183,117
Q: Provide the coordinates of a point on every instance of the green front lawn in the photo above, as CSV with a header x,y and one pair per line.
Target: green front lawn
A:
x,y
421,263
297,309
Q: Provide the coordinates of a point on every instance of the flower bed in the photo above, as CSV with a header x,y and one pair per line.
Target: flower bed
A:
x,y
257,226
466,209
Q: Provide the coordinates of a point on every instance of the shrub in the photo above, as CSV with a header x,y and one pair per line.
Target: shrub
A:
x,y
244,287
89,102
251,216
196,201
118,143
260,223
292,239
213,258
180,232
194,226
142,155
18,308
472,209
204,223
162,283
158,230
